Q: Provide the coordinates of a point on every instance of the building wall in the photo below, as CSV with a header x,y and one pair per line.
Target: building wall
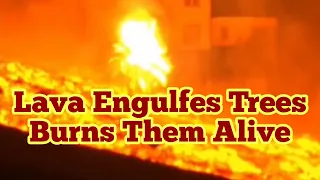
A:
x,y
253,8
190,23
212,44
245,45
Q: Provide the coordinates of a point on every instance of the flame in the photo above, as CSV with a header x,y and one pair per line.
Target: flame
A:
x,y
145,59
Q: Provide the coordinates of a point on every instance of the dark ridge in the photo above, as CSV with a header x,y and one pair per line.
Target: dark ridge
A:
x,y
22,161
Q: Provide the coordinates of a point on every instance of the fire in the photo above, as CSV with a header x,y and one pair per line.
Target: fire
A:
x,y
145,59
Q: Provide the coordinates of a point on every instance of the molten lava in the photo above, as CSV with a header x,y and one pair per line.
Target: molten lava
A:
x,y
298,160
144,57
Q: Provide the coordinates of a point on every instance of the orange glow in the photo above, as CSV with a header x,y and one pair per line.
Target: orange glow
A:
x,y
145,60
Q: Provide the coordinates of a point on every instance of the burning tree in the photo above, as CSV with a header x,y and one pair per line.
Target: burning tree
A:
x,y
142,55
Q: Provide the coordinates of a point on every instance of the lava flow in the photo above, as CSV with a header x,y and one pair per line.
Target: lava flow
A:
x,y
141,50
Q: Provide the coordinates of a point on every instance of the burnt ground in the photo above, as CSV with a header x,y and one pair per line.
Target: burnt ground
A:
x,y
22,161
